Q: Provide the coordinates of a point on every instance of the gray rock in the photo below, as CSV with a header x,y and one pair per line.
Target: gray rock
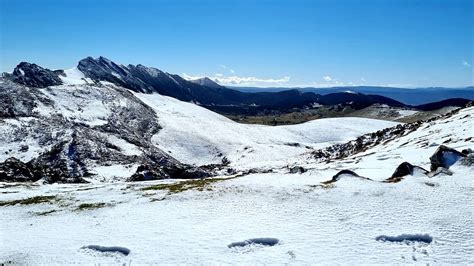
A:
x,y
33,75
344,174
297,170
445,157
14,170
468,160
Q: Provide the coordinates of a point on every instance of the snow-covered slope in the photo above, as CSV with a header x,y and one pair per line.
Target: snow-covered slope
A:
x,y
195,135
79,132
379,162
352,221
94,129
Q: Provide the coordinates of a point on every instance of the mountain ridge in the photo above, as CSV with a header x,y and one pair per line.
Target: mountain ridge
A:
x,y
203,91
140,78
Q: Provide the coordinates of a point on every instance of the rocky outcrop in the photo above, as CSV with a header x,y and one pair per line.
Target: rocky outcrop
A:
x,y
469,159
19,101
364,142
445,157
49,171
165,170
140,78
71,130
14,170
404,169
33,75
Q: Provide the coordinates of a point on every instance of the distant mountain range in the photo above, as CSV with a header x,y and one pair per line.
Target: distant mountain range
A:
x,y
408,96
207,93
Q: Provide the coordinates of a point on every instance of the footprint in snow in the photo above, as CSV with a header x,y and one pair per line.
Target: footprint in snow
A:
x,y
263,241
406,238
112,249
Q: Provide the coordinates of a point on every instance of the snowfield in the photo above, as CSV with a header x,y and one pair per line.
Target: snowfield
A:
x,y
352,221
189,133
195,135
313,224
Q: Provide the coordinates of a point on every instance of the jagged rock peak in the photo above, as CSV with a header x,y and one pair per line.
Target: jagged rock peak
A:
x,y
97,68
35,76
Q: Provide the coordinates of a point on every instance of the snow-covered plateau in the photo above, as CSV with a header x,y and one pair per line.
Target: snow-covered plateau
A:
x,y
274,197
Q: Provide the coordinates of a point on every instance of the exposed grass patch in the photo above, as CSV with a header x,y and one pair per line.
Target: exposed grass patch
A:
x,y
294,116
91,206
29,201
198,184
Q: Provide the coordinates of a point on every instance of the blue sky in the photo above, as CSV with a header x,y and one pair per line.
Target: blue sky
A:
x,y
252,43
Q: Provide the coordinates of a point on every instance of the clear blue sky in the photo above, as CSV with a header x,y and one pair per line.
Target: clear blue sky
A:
x,y
264,43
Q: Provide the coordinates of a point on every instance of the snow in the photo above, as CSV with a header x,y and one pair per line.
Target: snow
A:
x,y
195,135
112,173
388,112
83,104
117,75
11,145
379,162
154,72
171,77
122,250
313,224
404,113
73,76
86,107
341,223
126,147
406,238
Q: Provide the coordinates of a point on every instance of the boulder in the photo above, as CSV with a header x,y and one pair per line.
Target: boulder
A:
x,y
445,157
297,170
404,169
343,174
